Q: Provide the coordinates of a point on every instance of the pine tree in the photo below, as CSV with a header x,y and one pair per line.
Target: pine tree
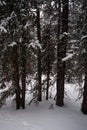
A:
x,y
16,20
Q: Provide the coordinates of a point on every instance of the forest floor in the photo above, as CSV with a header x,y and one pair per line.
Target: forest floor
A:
x,y
40,117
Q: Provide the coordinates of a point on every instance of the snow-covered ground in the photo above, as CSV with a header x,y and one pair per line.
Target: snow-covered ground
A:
x,y
40,117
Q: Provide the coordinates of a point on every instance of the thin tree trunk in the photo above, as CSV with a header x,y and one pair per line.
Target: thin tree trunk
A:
x,y
48,77
59,62
64,41
84,102
39,55
23,75
16,76
48,61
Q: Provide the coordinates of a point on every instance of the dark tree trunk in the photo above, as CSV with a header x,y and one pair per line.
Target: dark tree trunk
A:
x,y
23,74
48,78
59,64
39,55
64,41
48,60
61,52
84,102
16,75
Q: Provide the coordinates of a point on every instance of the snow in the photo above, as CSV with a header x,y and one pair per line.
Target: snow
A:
x,y
84,37
2,29
20,40
27,25
12,44
73,41
35,44
2,3
68,57
40,117
66,34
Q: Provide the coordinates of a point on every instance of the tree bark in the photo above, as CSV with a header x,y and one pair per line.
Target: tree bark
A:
x,y
61,52
16,75
64,41
23,74
84,102
48,42
48,78
59,64
39,55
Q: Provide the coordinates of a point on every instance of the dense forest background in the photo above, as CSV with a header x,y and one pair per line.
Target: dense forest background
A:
x,y
43,41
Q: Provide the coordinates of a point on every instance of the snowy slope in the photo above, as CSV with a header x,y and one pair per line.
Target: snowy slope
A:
x,y
40,117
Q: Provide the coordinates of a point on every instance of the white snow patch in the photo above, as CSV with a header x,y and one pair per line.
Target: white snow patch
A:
x,y
41,117
20,40
27,25
68,57
73,41
66,34
2,29
84,37
2,3
12,44
35,44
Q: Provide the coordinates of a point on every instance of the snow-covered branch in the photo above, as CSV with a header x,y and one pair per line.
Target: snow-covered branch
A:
x,y
68,57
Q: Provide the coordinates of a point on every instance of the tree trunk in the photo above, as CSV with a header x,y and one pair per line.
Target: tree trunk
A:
x,y
84,102
48,60
61,53
48,77
39,55
16,76
23,74
64,41
59,63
